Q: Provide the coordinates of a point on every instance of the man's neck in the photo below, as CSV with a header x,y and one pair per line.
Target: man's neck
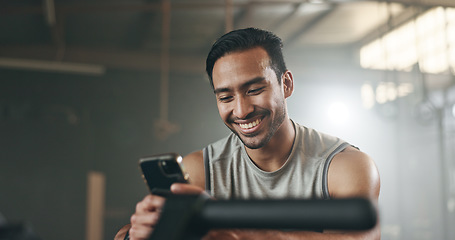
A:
x,y
273,155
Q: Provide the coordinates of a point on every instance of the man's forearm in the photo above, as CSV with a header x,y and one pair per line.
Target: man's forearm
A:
x,y
373,234
122,232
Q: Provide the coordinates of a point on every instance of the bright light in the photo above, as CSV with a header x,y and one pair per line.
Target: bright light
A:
x,y
381,93
372,56
385,92
391,91
429,40
317,1
338,113
405,89
367,93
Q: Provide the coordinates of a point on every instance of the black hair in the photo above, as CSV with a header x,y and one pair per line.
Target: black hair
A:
x,y
243,39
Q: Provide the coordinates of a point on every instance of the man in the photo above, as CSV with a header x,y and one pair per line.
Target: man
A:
x,y
267,155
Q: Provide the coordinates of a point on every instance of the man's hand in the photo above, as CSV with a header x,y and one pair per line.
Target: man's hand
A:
x,y
146,216
183,188
148,210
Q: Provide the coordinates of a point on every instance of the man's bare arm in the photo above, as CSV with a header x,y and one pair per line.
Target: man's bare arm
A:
x,y
193,165
122,232
351,174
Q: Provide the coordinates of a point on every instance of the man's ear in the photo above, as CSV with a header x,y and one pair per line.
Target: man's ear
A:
x,y
288,83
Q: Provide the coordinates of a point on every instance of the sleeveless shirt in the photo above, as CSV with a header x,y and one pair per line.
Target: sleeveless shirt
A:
x,y
231,174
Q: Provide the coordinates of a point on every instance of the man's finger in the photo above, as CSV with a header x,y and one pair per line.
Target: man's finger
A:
x,y
150,203
149,219
183,188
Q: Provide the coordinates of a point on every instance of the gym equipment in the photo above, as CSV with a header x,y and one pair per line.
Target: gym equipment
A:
x,y
192,216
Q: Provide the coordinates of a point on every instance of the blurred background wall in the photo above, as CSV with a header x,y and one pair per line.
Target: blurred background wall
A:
x,y
90,86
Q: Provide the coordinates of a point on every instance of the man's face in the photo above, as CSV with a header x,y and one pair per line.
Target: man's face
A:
x,y
250,100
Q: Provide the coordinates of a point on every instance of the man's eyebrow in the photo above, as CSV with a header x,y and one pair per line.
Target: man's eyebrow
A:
x,y
246,84
220,90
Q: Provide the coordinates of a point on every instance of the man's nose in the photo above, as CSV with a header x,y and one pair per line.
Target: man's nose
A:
x,y
242,107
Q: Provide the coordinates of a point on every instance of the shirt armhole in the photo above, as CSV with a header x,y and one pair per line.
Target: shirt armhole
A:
x,y
325,187
205,155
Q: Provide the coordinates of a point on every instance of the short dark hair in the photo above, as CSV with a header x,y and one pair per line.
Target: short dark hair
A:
x,y
243,39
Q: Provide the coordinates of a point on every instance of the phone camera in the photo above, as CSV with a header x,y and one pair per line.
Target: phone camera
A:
x,y
169,167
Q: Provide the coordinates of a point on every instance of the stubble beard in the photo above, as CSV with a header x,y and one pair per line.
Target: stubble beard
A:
x,y
274,126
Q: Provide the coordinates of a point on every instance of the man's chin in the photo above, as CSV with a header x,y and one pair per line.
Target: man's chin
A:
x,y
253,146
247,139
251,143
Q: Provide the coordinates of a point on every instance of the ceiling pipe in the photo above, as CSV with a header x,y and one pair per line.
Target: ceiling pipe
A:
x,y
423,3
75,8
52,66
163,126
49,12
229,16
310,25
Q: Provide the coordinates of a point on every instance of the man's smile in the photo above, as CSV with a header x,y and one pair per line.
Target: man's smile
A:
x,y
250,125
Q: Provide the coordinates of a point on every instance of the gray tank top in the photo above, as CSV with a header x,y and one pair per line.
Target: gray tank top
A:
x,y
231,174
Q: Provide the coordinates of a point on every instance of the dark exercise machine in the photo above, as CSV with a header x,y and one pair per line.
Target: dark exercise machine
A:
x,y
191,217
17,231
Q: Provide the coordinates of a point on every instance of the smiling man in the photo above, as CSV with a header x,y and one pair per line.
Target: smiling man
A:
x,y
249,98
267,155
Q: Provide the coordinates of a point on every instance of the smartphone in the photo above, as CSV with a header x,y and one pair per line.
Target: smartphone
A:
x,y
161,171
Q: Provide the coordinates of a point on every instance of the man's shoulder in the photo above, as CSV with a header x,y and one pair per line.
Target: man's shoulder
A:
x,y
219,147
353,173
193,164
229,139
316,134
316,143
225,144
224,148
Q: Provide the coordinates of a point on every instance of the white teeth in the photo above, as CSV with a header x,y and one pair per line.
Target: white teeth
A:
x,y
250,125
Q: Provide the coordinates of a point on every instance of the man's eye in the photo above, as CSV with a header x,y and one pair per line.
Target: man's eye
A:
x,y
225,98
256,90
